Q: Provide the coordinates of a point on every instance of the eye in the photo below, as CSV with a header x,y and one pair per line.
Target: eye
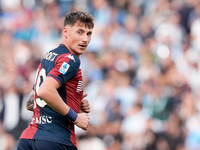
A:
x,y
89,33
79,32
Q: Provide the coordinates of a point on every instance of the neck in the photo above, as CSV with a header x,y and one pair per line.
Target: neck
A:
x,y
70,49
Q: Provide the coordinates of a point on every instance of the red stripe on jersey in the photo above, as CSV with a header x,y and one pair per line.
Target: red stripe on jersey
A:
x,y
32,128
72,136
74,98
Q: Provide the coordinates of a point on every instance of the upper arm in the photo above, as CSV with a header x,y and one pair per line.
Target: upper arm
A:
x,y
48,86
66,67
48,92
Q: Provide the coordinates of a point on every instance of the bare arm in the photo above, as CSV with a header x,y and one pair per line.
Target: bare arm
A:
x,y
48,92
30,101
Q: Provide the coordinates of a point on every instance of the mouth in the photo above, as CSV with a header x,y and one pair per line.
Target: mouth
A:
x,y
82,46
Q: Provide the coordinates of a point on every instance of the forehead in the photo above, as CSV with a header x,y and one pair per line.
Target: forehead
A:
x,y
82,25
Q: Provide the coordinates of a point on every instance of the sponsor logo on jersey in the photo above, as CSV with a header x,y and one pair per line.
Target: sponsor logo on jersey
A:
x,y
71,57
79,86
41,120
63,69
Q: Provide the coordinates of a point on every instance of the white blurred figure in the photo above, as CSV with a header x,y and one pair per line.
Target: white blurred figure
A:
x,y
11,4
194,23
133,128
99,94
125,93
11,116
123,37
92,143
147,70
195,34
48,35
171,33
22,53
102,15
190,115
7,142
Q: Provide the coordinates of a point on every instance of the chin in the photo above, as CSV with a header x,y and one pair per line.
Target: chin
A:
x,y
81,51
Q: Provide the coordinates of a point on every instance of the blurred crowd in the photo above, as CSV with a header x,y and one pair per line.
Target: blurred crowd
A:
x,y
141,70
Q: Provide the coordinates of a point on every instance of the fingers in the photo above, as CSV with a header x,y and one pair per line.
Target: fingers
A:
x,y
84,103
84,96
85,106
86,128
87,125
82,121
85,109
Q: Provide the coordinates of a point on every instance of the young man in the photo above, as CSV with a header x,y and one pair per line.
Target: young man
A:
x,y
58,90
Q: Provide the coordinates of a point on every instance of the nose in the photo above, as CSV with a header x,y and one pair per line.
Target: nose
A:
x,y
86,38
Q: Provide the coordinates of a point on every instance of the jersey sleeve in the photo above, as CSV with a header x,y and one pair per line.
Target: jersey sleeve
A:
x,y
66,67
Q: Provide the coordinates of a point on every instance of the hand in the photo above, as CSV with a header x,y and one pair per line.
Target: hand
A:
x,y
82,121
85,106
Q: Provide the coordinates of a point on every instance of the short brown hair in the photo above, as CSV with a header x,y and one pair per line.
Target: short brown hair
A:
x,y
79,16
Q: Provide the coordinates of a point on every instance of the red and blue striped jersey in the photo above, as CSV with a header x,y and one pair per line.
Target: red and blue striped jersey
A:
x,y
47,124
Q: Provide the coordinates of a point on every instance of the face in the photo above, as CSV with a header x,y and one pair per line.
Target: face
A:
x,y
77,38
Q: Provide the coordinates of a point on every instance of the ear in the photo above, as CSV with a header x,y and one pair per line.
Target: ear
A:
x,y
65,31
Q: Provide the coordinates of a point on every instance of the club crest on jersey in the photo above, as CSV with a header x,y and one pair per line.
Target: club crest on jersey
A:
x,y
63,69
71,57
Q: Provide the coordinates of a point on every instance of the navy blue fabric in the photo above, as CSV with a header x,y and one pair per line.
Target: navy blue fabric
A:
x,y
31,144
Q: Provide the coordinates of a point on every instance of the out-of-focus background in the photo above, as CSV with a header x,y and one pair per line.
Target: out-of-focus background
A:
x,y
141,70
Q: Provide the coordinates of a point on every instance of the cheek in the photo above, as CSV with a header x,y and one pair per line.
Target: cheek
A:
x,y
74,39
74,43
89,39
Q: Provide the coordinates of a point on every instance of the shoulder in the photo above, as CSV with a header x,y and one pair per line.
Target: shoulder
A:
x,y
69,58
73,57
68,61
62,54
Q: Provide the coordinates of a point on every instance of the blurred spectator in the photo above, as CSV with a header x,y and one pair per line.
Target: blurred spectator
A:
x,y
133,128
126,35
195,33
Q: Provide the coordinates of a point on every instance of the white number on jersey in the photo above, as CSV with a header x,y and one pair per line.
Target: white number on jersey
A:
x,y
39,79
